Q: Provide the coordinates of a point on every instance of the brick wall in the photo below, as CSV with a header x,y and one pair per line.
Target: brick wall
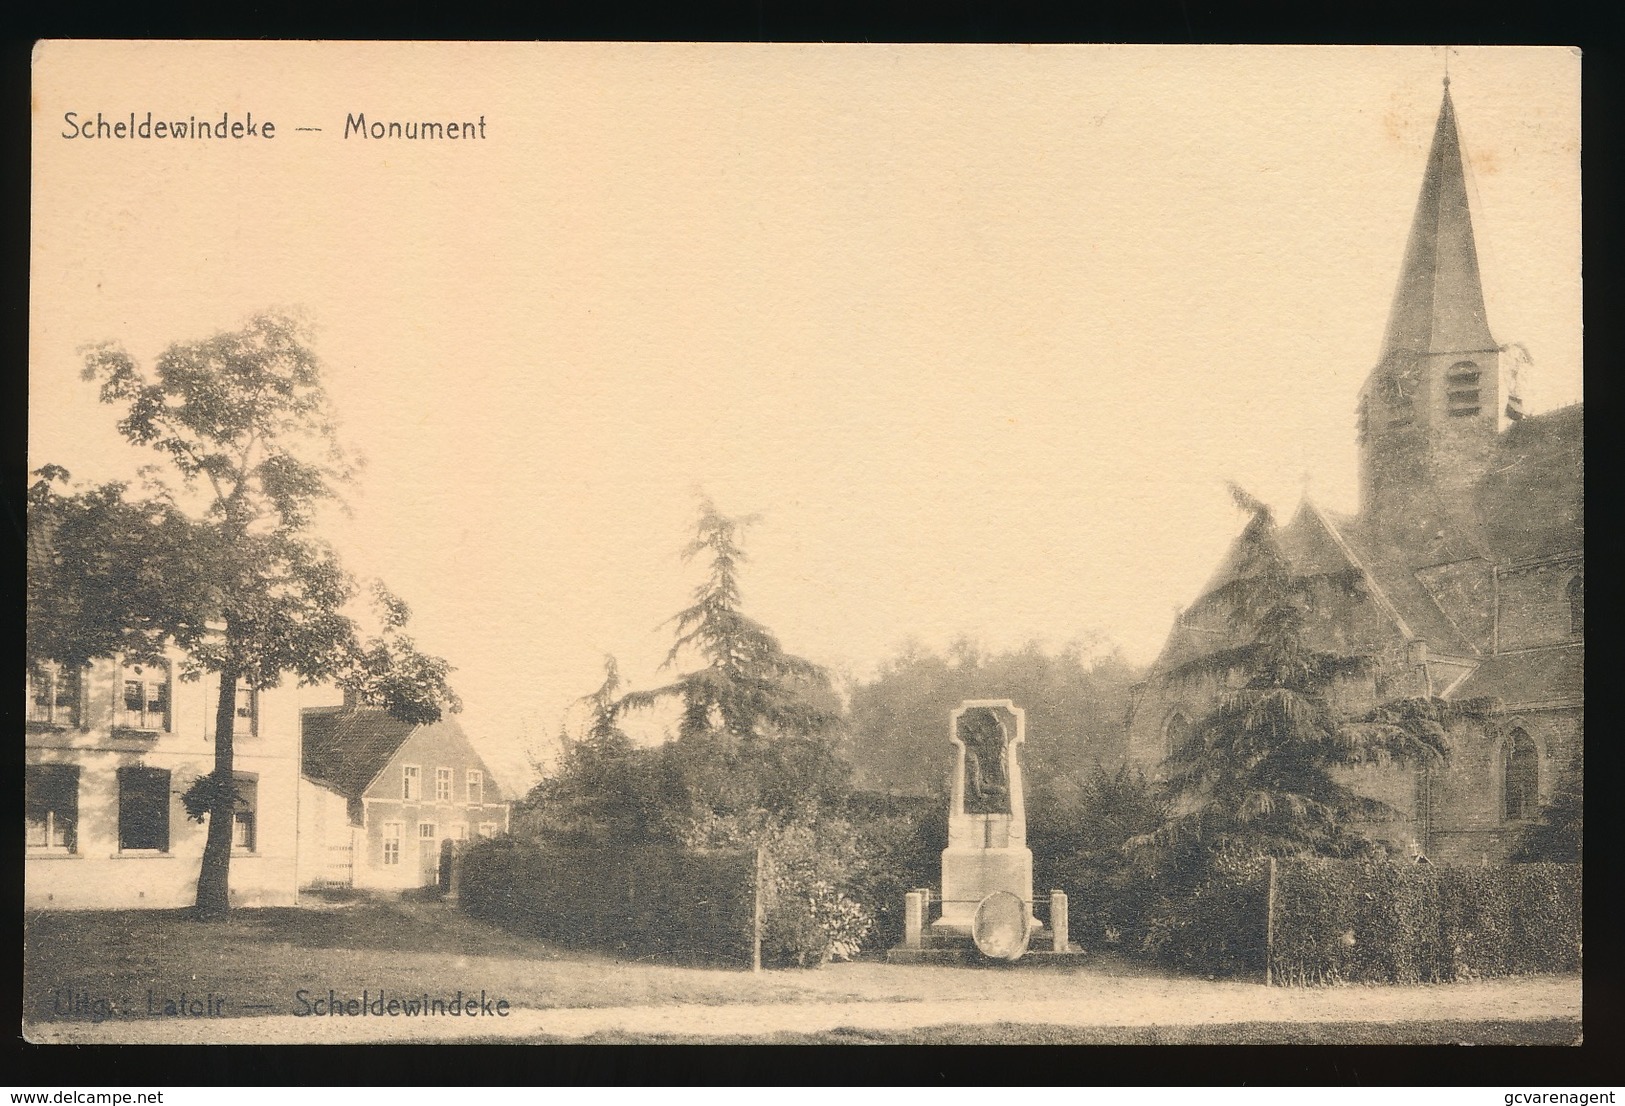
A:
x,y
1534,604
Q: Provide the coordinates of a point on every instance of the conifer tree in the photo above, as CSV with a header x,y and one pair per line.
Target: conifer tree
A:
x,y
1259,774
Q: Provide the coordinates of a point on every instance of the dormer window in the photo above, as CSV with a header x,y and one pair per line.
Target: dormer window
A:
x,y
1463,389
144,702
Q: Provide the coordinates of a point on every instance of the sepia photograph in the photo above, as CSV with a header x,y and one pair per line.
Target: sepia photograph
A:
x,y
783,544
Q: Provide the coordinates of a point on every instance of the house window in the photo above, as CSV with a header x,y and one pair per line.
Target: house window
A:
x,y
411,782
143,809
442,785
459,831
145,702
1577,605
51,807
1521,777
53,695
426,830
476,786
244,818
248,710
392,844
488,829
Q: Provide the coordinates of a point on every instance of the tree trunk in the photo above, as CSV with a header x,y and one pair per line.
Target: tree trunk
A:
x,y
213,880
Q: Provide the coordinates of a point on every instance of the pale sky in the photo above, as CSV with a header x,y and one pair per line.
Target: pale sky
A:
x,y
980,331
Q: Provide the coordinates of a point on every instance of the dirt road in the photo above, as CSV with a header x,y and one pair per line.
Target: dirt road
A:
x,y
1080,998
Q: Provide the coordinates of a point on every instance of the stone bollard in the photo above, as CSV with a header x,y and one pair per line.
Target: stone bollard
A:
x,y
1058,923
913,919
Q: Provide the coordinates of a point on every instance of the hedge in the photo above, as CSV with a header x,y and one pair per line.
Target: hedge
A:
x,y
644,901
1351,921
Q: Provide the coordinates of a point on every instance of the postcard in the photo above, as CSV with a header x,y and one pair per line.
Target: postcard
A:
x,y
803,543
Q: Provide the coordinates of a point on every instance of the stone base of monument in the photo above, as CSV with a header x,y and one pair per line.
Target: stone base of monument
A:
x,y
943,947
947,941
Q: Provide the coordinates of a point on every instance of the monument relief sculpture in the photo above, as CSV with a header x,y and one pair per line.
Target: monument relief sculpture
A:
x,y
987,776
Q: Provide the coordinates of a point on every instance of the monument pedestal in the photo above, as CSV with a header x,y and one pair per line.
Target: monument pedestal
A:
x,y
970,874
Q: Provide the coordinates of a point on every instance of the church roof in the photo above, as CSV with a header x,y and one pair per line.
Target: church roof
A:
x,y
1439,303
1534,677
1531,503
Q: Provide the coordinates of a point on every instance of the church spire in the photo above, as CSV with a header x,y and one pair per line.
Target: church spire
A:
x,y
1439,304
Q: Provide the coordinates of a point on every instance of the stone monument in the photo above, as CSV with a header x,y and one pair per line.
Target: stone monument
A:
x,y
987,816
986,899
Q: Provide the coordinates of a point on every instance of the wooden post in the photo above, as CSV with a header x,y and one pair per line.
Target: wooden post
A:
x,y
1060,926
756,938
1269,925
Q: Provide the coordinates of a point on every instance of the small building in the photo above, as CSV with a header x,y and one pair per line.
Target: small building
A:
x,y
109,750
379,797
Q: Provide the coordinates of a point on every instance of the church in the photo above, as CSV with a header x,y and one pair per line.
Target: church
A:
x,y
1469,542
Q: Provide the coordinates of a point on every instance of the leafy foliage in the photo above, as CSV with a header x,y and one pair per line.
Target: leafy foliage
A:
x,y
748,686
1377,922
1078,834
758,725
214,555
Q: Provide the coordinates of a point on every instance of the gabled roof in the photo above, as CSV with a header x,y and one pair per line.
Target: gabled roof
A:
x,y
1554,675
346,748
1439,303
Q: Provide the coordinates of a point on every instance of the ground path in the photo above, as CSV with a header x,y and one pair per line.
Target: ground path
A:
x,y
1064,998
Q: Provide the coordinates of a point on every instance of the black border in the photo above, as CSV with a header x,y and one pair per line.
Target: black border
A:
x,y
1596,1063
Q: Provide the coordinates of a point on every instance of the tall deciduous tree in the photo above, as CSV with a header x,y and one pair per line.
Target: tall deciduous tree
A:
x,y
1260,772
217,558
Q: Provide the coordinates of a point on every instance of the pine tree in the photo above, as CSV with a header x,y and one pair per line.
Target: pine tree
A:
x,y
757,724
1259,774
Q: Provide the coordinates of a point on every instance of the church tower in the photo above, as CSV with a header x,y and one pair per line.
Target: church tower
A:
x,y
1430,412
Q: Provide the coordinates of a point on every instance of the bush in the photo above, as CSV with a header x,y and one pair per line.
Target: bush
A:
x,y
1217,926
1346,921
1084,824
813,867
636,901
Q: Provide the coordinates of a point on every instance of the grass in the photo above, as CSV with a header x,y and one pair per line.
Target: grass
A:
x,y
1552,1031
259,958
263,956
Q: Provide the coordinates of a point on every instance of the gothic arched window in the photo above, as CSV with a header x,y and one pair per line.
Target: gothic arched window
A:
x,y
1176,732
1577,605
1520,777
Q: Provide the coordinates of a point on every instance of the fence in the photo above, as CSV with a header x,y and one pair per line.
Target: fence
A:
x,y
639,902
1333,921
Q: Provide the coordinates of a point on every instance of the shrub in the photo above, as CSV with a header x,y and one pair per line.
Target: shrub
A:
x,y
638,901
1216,925
1348,921
809,916
1085,825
